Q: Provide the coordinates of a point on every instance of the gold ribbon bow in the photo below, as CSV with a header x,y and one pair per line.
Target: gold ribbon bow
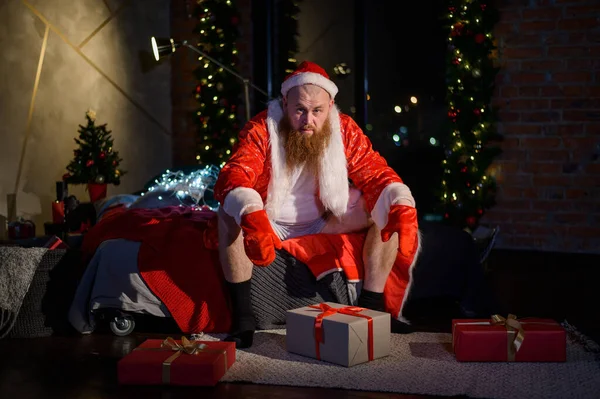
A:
x,y
514,328
186,347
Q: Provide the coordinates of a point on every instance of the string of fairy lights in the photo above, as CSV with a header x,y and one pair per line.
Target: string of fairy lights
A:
x,y
467,186
193,188
217,92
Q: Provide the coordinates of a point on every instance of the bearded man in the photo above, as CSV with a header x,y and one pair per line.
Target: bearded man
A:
x,y
289,176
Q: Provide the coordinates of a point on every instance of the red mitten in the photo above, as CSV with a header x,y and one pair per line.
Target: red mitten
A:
x,y
260,240
402,219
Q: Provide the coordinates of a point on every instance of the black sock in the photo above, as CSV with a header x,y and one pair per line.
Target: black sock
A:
x,y
243,323
374,301
399,327
371,300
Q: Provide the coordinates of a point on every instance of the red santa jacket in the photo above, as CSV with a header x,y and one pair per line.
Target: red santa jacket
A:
x,y
258,162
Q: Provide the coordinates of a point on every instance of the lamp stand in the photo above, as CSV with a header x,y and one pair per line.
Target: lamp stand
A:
x,y
246,81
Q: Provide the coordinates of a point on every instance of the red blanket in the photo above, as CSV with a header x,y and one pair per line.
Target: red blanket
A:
x,y
178,260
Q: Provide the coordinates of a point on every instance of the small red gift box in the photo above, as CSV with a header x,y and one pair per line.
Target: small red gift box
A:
x,y
170,362
21,229
509,339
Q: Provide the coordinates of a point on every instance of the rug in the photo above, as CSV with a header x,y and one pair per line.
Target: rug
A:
x,y
420,363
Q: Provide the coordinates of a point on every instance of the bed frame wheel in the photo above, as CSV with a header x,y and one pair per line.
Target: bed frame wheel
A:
x,y
122,325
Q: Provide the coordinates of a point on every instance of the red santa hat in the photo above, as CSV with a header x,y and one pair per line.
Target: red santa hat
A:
x,y
309,73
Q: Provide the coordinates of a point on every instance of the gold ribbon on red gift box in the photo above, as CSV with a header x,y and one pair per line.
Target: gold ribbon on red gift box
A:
x,y
186,347
347,310
514,328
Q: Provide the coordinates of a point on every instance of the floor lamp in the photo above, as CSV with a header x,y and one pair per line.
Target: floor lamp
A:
x,y
163,47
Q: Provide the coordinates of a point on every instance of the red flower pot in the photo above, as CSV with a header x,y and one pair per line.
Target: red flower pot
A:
x,y
96,191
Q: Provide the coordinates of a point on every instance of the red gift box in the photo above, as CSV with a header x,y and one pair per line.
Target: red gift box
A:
x,y
191,363
501,340
21,229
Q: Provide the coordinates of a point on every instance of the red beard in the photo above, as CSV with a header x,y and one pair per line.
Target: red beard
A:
x,y
304,149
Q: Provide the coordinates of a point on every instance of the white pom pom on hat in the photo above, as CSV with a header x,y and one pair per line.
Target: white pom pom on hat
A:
x,y
309,73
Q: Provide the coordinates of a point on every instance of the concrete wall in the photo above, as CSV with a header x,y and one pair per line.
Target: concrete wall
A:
x,y
61,58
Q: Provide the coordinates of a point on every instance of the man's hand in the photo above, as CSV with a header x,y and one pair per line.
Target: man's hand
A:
x,y
402,219
260,240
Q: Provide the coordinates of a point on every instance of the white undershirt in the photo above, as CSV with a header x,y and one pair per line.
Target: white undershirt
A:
x,y
302,204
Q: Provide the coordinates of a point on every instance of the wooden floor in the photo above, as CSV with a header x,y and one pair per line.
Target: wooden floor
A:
x,y
549,285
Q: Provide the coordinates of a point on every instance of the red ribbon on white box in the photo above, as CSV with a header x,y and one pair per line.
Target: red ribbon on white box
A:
x,y
347,310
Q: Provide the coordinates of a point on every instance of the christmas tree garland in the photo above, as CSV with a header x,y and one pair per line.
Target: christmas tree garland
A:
x,y
467,188
217,92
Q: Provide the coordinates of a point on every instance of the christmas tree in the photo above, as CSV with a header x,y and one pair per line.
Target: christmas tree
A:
x,y
217,92
95,160
468,188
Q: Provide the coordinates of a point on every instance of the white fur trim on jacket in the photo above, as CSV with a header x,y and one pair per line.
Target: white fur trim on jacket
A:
x,y
394,193
309,78
333,174
410,279
238,200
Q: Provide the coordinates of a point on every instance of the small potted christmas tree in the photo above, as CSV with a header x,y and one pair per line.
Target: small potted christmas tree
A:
x,y
96,163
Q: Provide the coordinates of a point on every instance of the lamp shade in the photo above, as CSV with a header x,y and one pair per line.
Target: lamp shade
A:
x,y
163,47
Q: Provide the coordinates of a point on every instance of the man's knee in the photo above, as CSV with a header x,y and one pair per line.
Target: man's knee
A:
x,y
375,234
229,231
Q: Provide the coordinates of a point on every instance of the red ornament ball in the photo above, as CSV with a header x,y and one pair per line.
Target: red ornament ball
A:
x,y
102,155
479,38
198,89
89,163
471,221
477,111
455,61
483,7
